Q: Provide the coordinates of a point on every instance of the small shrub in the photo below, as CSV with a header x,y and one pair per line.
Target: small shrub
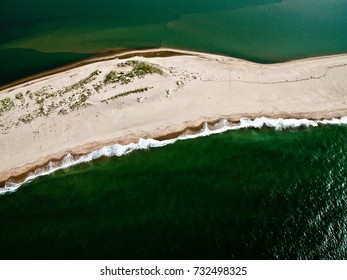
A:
x,y
6,105
19,96
62,111
26,118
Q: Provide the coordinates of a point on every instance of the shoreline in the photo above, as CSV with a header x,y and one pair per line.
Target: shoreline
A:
x,y
185,91
103,56
18,175
151,52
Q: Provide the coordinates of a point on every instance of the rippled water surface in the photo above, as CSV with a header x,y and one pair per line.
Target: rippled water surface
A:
x,y
249,193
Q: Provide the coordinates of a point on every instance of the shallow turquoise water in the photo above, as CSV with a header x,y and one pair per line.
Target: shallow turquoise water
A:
x,y
58,32
247,194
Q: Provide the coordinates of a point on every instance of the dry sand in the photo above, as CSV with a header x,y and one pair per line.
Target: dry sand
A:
x,y
73,111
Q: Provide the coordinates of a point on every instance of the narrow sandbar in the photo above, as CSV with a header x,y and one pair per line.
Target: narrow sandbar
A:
x,y
128,96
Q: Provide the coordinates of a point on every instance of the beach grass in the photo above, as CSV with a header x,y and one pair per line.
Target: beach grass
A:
x,y
139,70
6,105
123,94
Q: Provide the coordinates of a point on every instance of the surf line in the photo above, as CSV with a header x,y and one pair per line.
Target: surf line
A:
x,y
120,150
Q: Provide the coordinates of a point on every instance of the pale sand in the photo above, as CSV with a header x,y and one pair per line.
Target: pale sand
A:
x,y
195,88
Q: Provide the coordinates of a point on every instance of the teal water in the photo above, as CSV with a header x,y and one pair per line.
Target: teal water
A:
x,y
246,194
47,34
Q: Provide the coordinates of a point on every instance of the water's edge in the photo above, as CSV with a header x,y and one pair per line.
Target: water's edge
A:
x,y
119,150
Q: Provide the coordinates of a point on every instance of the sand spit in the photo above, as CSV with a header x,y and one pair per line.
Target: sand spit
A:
x,y
121,99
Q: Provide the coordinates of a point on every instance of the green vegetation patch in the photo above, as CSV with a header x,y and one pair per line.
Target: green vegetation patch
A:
x,y
126,93
6,105
47,101
82,82
139,70
118,77
20,96
26,118
98,86
81,101
90,78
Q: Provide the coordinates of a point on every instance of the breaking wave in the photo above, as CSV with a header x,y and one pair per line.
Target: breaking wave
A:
x,y
120,150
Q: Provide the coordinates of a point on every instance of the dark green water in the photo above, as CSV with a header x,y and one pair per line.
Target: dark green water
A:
x,y
246,194
45,34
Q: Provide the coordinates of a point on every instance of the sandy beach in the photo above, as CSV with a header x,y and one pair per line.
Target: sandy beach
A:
x,y
121,98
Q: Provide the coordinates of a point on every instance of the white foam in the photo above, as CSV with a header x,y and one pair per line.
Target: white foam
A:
x,y
120,150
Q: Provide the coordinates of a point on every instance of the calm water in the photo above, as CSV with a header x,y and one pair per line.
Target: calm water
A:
x,y
37,35
250,194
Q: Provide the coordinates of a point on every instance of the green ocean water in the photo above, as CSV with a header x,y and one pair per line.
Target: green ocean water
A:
x,y
46,34
246,194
